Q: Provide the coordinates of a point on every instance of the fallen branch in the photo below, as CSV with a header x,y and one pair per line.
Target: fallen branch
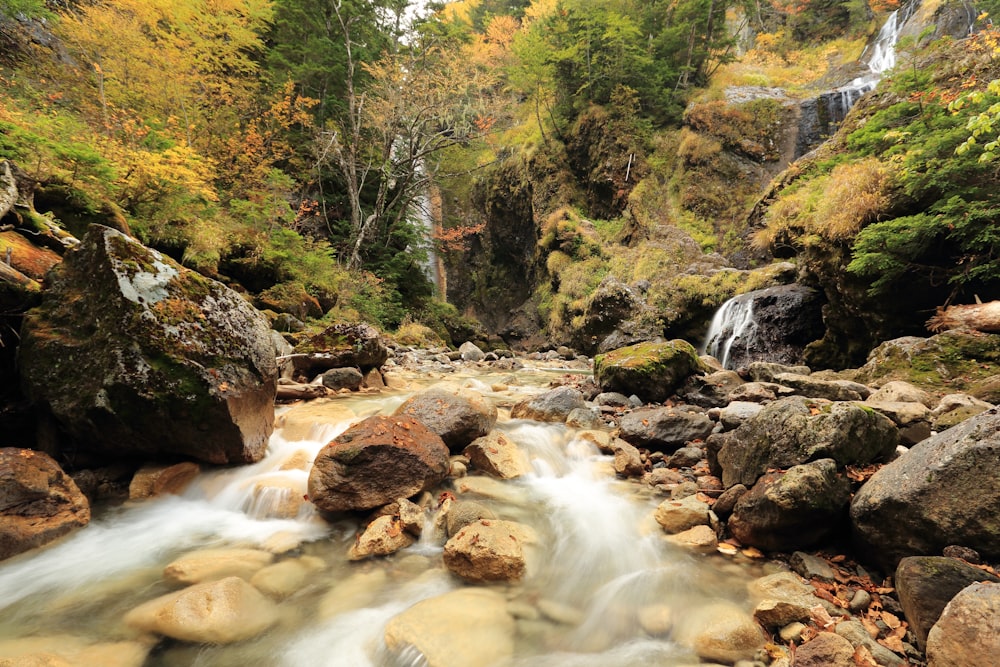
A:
x,y
300,392
983,317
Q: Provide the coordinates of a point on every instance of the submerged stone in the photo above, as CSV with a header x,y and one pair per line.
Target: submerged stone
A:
x,y
134,355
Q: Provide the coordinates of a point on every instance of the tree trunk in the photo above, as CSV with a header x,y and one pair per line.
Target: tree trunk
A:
x,y
983,317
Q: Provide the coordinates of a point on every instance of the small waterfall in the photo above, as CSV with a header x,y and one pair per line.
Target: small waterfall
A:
x,y
731,323
427,213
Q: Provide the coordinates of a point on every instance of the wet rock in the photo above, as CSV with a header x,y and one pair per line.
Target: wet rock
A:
x,y
559,612
71,651
926,584
281,580
276,498
584,418
794,430
726,502
686,457
794,510
720,632
811,567
156,480
459,416
463,512
943,491
135,355
679,515
211,564
342,378
383,536
218,612
656,619
469,627
468,351
664,429
968,632
355,591
652,371
783,587
488,550
552,406
628,461
375,462
411,515
701,539
340,345
772,613
710,390
497,455
825,650
38,501
373,379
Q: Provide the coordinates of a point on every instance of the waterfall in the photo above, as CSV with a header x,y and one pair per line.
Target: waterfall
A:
x,y
425,219
731,323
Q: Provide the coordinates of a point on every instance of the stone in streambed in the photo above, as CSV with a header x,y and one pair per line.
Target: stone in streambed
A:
x,y
280,580
489,550
968,632
499,456
552,406
676,516
156,480
71,651
721,631
212,564
652,371
825,650
459,416
664,429
383,536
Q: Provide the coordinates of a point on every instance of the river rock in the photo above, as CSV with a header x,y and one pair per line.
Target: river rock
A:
x,y
627,461
767,371
676,516
664,429
469,627
826,649
342,378
727,500
701,539
812,567
793,510
383,536
71,651
38,501
218,612
341,345
794,430
757,392
468,351
134,354
488,550
898,391
463,512
497,455
376,461
156,480
811,387
651,371
954,409
552,406
736,412
712,390
968,632
926,584
853,631
280,580
943,491
212,564
459,416
778,613
911,418
720,632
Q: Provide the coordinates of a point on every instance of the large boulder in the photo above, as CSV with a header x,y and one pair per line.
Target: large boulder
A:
x,y
375,462
944,491
134,355
651,371
926,584
792,510
340,345
968,632
794,430
38,501
459,416
469,627
664,429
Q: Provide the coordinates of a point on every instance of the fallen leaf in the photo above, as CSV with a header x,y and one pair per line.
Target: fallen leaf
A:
x,y
863,657
890,619
870,626
894,644
821,617
752,552
727,549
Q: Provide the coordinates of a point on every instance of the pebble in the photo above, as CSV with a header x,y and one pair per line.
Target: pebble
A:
x,y
860,601
792,632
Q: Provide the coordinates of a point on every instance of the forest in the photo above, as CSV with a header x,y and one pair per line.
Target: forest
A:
x,y
323,155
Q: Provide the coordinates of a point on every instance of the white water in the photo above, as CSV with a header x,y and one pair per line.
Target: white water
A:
x,y
600,555
732,323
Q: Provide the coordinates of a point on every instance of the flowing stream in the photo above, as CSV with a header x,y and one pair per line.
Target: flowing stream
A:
x,y
601,563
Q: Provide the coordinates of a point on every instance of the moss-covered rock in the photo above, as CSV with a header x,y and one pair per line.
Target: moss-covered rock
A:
x,y
651,371
340,345
134,355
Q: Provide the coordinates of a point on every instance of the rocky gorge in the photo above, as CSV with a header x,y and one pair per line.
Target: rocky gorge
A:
x,y
457,508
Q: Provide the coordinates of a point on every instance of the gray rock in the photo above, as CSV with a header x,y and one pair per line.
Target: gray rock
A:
x,y
342,378
736,412
613,399
135,355
652,371
686,457
710,390
968,632
726,502
794,430
898,391
926,584
943,491
585,418
825,650
664,429
810,387
459,416
552,406
341,345
794,510
464,512
468,351
764,371
811,567
855,633
755,392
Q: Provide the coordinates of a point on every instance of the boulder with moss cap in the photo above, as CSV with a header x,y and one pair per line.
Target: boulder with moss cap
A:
x,y
651,371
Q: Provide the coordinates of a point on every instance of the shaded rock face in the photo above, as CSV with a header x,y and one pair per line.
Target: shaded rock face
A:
x,y
375,462
135,355
341,345
792,510
773,324
968,632
612,317
926,584
944,491
795,430
38,501
651,371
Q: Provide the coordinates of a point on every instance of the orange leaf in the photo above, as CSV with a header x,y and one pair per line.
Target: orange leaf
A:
x,y
890,619
863,657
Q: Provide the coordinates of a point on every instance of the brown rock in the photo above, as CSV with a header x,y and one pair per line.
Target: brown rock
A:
x,y
459,416
213,564
488,550
498,455
968,632
38,501
825,650
155,480
375,462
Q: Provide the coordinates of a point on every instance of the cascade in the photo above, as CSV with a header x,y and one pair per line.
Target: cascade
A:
x,y
601,563
731,323
423,209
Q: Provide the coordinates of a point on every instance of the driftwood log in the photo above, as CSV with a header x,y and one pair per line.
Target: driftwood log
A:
x,y
983,317
300,392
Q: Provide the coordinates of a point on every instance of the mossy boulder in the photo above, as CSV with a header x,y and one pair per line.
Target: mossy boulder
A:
x,y
136,356
651,371
341,345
